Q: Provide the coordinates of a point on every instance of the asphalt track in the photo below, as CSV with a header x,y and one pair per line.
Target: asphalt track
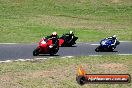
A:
x,y
24,51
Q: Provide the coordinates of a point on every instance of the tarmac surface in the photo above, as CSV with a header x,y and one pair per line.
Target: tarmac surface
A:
x,y
24,51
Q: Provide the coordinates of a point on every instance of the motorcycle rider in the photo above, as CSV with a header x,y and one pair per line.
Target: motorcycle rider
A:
x,y
114,41
55,39
69,35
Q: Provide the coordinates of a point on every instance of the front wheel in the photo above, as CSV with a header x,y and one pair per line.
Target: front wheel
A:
x,y
36,52
97,49
51,54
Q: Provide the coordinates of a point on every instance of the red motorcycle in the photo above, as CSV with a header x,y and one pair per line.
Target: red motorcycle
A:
x,y
61,41
45,47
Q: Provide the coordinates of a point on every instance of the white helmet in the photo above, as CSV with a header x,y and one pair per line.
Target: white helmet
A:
x,y
114,36
71,32
54,33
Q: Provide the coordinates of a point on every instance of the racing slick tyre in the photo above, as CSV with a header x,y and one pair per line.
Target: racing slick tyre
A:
x,y
36,52
97,49
51,54
117,43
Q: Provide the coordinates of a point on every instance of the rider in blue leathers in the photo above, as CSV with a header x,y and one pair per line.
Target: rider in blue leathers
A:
x,y
113,40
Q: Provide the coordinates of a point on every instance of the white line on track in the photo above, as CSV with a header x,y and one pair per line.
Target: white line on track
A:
x,y
67,57
125,41
7,61
94,44
27,59
40,58
51,57
95,55
21,60
123,54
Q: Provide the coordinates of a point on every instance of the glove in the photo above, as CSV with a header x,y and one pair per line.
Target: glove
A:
x,y
50,46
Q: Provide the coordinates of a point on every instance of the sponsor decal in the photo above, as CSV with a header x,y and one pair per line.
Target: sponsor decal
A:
x,y
83,78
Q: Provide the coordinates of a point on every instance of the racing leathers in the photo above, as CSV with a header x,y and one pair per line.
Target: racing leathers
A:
x,y
55,40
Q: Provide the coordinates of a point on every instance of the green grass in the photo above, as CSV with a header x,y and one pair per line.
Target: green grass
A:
x,y
61,73
27,21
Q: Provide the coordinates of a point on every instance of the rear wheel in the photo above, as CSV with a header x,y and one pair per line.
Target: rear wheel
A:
x,y
54,51
36,52
117,43
70,45
112,49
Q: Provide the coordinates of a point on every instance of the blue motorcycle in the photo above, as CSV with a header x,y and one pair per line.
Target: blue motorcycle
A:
x,y
106,45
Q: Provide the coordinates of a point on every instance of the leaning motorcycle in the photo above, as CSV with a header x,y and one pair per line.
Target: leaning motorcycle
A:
x,y
45,47
106,45
66,41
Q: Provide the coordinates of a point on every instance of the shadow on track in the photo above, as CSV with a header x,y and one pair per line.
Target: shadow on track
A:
x,y
68,46
48,55
108,51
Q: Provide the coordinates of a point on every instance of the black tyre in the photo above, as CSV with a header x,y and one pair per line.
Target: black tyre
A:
x,y
117,43
97,49
112,49
36,52
51,54
75,38
70,45
63,44
54,51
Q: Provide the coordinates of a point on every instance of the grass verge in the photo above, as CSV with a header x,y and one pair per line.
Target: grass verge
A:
x,y
28,20
61,73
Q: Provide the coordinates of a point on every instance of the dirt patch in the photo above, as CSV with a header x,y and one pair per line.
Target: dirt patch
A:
x,y
11,80
115,1
34,74
59,75
42,74
70,1
18,1
113,67
75,22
